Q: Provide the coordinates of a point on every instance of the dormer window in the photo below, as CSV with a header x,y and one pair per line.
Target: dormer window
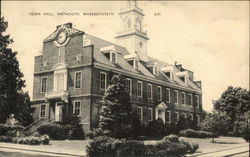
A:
x,y
183,79
136,64
112,56
155,70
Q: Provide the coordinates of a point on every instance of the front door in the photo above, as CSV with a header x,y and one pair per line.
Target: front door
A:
x,y
58,112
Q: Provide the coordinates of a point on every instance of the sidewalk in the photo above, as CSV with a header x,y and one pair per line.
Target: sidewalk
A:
x,y
68,148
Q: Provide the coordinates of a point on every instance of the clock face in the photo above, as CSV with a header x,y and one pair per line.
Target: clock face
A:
x,y
61,38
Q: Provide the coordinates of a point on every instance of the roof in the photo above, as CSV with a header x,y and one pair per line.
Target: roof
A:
x,y
69,30
123,64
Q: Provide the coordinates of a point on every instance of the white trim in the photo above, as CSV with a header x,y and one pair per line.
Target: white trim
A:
x,y
155,70
151,91
141,112
80,80
177,118
183,96
137,64
169,117
145,78
41,110
185,115
177,96
105,83
41,85
74,103
190,99
151,114
110,57
140,96
168,94
160,93
192,116
130,87
197,101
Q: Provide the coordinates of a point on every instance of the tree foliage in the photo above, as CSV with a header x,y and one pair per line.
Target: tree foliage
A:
x,y
234,102
229,117
12,99
217,122
116,110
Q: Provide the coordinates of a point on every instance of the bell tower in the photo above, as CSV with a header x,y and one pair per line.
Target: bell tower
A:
x,y
132,35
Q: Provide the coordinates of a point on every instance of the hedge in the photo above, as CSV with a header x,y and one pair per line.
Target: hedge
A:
x,y
6,128
103,146
61,132
30,140
197,134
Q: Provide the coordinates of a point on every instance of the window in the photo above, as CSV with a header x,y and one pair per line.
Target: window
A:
x,y
168,94
183,98
183,79
176,116
168,116
159,93
191,117
150,114
190,99
77,108
139,89
197,103
176,97
136,64
42,110
113,57
184,115
140,113
103,80
78,79
197,119
59,81
44,84
149,91
128,85
155,70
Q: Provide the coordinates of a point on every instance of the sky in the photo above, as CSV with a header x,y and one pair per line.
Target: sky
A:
x,y
210,38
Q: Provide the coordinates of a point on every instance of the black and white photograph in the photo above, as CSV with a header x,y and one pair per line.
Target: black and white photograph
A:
x,y
131,78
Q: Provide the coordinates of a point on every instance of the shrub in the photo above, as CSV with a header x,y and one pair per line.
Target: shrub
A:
x,y
101,146
191,147
197,134
166,148
4,128
5,139
130,148
45,139
55,131
171,138
95,133
31,140
76,131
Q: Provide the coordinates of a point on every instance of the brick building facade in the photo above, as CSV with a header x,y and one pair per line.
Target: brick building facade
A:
x,y
75,68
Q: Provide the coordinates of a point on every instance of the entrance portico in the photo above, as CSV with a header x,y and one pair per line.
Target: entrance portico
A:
x,y
160,111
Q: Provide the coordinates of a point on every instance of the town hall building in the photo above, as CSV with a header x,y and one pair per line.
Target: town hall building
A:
x,y
75,68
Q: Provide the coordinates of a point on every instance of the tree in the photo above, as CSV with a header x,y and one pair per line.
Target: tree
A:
x,y
234,102
116,110
217,122
12,98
